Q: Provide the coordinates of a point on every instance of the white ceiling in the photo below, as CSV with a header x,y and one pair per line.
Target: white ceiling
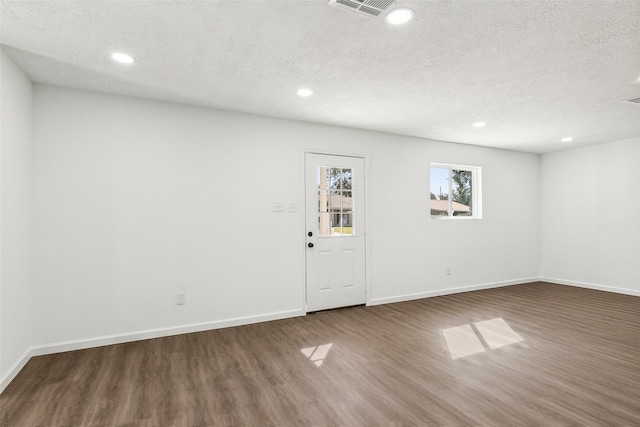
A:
x,y
535,71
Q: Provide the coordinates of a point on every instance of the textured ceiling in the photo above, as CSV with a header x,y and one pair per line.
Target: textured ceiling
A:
x,y
534,71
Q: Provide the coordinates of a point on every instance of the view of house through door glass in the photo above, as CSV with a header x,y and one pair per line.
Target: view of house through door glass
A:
x,y
335,261
335,201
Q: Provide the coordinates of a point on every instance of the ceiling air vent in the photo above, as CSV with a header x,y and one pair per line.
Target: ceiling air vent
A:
x,y
371,8
634,100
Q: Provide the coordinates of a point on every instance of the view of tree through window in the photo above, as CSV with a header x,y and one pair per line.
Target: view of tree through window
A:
x,y
452,191
462,188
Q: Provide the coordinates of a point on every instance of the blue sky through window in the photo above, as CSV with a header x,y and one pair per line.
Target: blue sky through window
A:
x,y
439,181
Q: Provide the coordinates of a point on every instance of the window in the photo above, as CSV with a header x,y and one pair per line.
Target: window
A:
x,y
455,191
335,201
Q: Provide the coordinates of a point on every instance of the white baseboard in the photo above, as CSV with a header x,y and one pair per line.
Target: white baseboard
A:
x,y
448,291
162,332
625,291
15,369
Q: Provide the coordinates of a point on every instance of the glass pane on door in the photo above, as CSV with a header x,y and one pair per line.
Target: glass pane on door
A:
x,y
335,201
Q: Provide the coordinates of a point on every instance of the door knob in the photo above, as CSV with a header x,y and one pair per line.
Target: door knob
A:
x,y
310,245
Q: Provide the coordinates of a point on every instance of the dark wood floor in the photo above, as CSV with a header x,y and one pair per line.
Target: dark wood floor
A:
x,y
577,364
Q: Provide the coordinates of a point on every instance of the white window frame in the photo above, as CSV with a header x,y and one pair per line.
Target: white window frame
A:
x,y
476,191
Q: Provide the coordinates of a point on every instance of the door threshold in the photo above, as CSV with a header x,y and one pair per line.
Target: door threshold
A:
x,y
328,310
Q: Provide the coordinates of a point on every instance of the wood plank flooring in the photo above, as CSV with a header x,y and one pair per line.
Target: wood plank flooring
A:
x,y
577,364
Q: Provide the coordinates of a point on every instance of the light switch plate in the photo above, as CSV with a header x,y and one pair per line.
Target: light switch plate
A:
x,y
181,298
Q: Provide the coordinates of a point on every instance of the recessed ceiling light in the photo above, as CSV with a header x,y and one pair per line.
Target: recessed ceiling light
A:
x,y
399,16
305,92
567,139
122,58
479,124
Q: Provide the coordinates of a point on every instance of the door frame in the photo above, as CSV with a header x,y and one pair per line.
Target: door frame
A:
x,y
367,198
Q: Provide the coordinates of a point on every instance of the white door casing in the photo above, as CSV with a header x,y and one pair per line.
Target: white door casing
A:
x,y
334,210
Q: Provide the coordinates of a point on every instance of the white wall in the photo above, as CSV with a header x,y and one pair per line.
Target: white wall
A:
x,y
15,219
590,216
136,200
411,251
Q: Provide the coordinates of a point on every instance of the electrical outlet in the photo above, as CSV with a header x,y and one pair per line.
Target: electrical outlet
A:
x,y
292,207
278,206
181,298
448,271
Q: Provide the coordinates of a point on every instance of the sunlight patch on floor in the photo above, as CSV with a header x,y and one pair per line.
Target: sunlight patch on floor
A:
x,y
497,333
318,353
467,340
462,341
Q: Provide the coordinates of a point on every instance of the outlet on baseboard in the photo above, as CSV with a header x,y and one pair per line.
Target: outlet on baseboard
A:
x,y
181,298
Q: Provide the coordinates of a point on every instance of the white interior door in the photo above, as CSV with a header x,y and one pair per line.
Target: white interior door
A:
x,y
335,231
